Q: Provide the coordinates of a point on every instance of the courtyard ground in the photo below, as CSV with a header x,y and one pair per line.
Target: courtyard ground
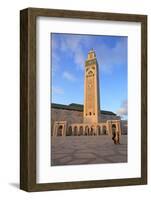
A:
x,y
74,150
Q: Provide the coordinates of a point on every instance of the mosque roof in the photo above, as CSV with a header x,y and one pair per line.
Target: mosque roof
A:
x,y
77,107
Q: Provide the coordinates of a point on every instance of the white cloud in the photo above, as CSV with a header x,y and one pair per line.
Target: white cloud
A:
x,y
79,59
108,58
57,90
122,111
54,43
73,45
69,76
55,62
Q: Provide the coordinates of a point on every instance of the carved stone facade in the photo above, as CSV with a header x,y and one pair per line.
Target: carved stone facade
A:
x,y
91,90
77,120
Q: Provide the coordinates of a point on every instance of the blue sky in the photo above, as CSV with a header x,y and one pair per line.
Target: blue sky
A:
x,y
69,52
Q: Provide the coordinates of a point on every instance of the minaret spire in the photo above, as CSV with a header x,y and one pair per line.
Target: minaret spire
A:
x,y
91,89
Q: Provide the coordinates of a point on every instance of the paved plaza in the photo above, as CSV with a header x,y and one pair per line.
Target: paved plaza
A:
x,y
74,150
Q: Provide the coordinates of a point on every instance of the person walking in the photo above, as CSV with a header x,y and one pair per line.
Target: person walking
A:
x,y
114,136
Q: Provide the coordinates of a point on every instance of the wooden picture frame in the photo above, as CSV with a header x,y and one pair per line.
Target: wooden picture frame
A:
x,y
28,98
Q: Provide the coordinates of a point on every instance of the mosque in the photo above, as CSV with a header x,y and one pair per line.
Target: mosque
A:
x,y
88,119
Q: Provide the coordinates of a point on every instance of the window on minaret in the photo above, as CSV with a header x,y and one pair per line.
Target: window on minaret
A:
x,y
90,56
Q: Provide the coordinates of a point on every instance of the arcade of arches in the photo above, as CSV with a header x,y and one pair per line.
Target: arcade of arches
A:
x,y
108,128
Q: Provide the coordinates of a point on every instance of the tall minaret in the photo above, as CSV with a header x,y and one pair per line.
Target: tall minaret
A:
x,y
91,89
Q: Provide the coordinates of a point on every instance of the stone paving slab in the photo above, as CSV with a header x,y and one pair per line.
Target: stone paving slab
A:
x,y
76,150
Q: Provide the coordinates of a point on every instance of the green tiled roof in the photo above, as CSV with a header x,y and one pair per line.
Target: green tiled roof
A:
x,y
77,107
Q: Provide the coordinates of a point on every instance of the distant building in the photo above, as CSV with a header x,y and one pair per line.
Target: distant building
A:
x,y
75,119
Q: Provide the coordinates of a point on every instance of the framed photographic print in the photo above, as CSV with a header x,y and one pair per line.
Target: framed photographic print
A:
x,y
83,99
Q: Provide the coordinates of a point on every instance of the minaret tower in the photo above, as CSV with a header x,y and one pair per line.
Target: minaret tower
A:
x,y
91,89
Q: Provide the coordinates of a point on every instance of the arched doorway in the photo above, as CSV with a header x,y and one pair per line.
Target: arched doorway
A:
x,y
69,132
86,130
113,129
98,130
75,132
81,130
60,130
104,131
92,132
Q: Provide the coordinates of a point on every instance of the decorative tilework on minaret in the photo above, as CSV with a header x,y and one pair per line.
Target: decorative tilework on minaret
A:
x,y
91,89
